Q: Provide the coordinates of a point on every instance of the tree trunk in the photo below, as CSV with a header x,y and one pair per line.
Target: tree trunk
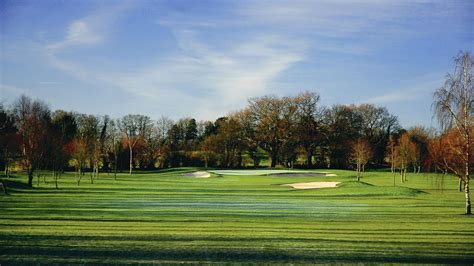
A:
x,y
55,179
274,159
460,184
468,197
393,176
466,184
7,173
358,172
115,168
309,160
131,159
37,177
30,177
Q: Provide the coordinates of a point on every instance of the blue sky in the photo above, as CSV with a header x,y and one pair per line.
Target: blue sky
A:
x,y
203,59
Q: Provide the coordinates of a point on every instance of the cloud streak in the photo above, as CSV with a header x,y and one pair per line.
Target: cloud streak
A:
x,y
412,93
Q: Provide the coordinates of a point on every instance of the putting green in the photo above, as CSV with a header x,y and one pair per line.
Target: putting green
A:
x,y
262,172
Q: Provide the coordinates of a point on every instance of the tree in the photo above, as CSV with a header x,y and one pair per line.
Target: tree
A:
x,y
343,125
33,119
273,121
191,130
208,148
248,135
376,125
64,129
227,144
307,128
403,150
454,108
87,145
446,151
163,126
8,139
420,136
390,157
105,123
112,143
361,154
134,128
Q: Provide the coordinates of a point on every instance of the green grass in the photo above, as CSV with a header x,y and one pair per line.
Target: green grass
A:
x,y
164,217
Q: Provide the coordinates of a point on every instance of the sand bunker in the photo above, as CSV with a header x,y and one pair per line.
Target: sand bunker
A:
x,y
198,174
310,185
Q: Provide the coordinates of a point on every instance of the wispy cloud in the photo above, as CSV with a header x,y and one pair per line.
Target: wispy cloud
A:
x,y
221,80
411,93
83,33
90,30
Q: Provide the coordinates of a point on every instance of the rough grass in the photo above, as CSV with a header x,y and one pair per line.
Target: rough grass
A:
x,y
163,217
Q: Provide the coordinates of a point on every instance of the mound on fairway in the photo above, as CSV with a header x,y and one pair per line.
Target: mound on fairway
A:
x,y
311,185
198,174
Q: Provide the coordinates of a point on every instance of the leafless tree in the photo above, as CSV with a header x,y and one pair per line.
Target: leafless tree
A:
x,y
454,108
361,154
33,120
134,128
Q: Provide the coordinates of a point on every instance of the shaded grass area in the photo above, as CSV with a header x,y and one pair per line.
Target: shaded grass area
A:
x,y
163,217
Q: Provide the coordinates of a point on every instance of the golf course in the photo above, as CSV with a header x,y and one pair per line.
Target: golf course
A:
x,y
244,216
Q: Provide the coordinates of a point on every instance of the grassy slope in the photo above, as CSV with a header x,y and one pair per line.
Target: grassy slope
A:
x,y
165,217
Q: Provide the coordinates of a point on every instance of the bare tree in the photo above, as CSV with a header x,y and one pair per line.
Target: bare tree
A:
x,y
361,154
454,108
134,128
33,121
390,157
402,155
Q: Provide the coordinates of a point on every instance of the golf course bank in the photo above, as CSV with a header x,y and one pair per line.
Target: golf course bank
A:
x,y
165,217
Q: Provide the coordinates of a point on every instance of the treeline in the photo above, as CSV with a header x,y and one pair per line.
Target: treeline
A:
x,y
289,131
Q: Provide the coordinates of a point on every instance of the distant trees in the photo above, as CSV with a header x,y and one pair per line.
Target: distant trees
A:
x,y
454,108
293,131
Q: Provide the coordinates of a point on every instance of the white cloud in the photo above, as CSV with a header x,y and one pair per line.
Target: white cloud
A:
x,y
80,32
213,81
89,30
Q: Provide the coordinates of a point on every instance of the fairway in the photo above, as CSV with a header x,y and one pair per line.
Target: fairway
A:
x,y
165,217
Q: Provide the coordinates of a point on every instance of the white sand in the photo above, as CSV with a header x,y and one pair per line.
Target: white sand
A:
x,y
198,174
310,185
